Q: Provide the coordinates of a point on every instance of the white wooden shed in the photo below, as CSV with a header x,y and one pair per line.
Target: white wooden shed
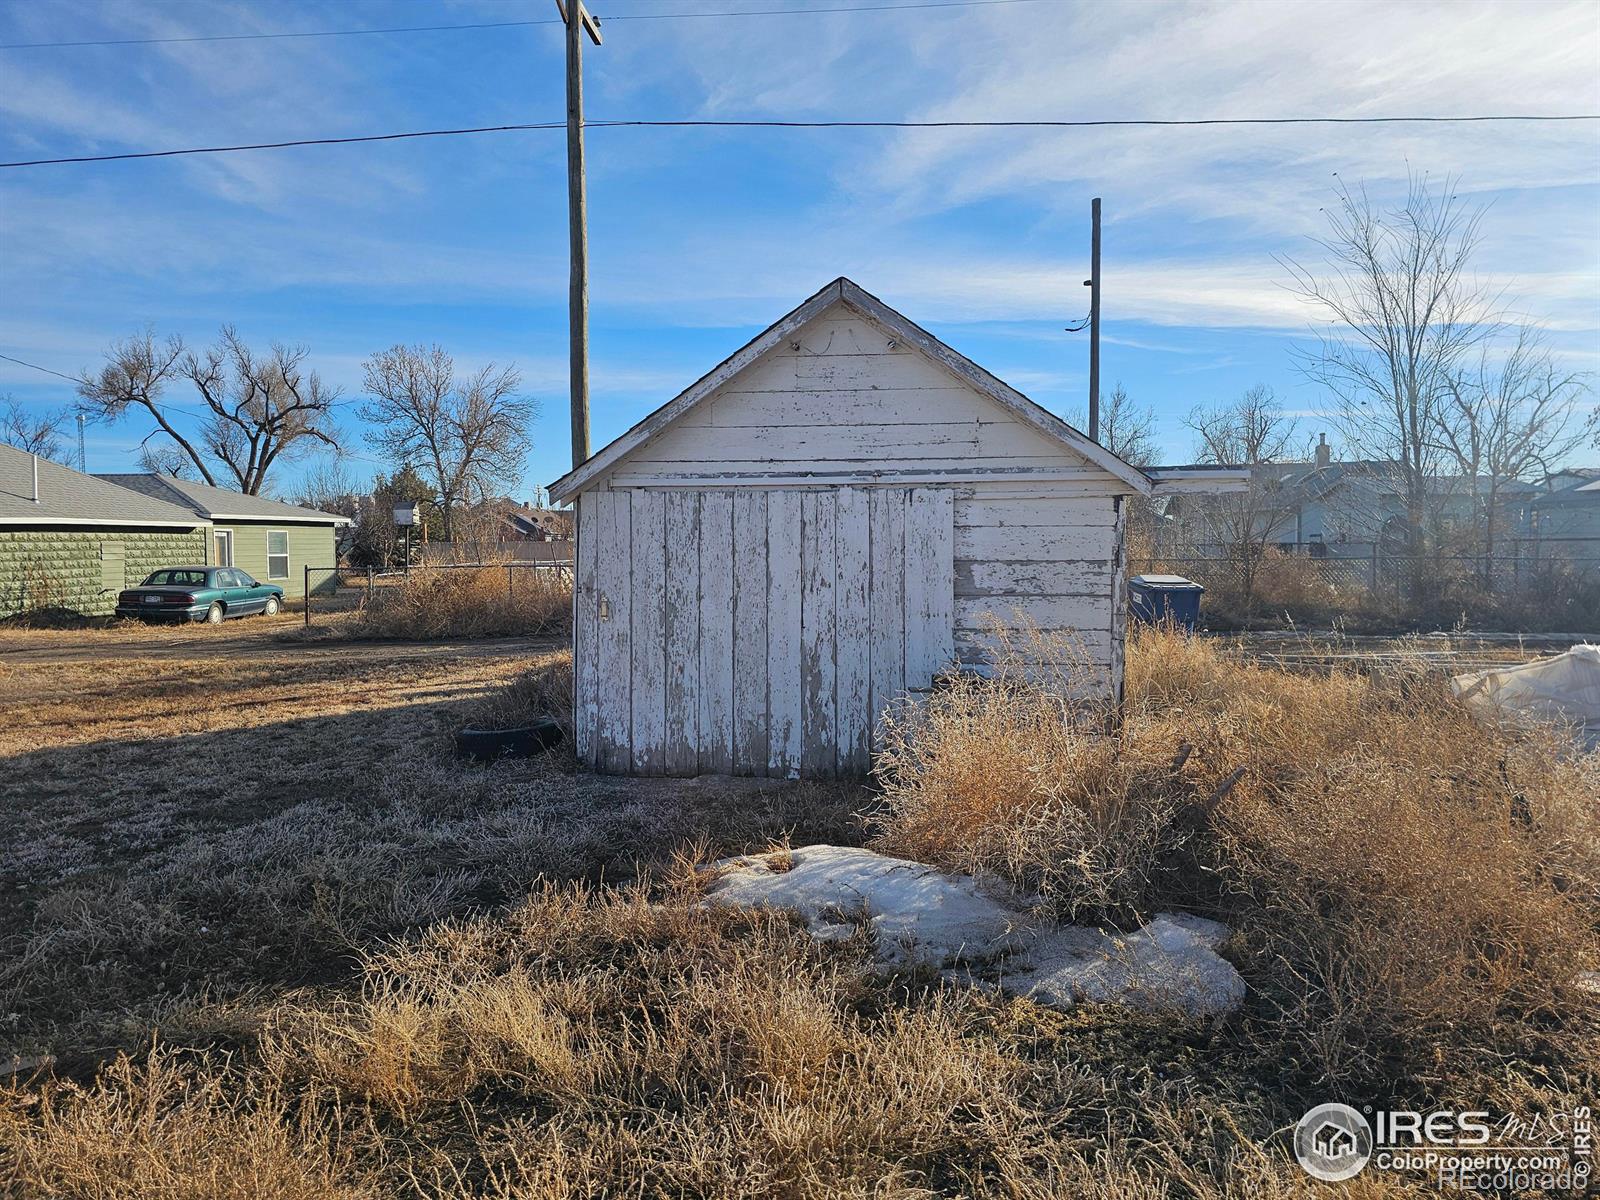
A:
x,y
816,527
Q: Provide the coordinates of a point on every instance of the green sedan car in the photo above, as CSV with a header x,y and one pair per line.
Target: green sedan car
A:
x,y
209,594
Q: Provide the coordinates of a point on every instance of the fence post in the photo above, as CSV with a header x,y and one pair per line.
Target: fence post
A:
x,y
1373,572
369,583
307,570
510,595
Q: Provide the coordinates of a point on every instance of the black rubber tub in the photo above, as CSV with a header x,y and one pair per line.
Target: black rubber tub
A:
x,y
488,745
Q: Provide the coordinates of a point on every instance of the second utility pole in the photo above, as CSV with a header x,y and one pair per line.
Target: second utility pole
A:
x,y
1094,319
578,24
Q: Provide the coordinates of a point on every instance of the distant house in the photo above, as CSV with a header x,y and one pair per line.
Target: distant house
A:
x,y
1563,516
70,541
1348,509
271,540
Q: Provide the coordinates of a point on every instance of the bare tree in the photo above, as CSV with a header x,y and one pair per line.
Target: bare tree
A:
x,y
467,436
1126,430
258,410
1405,313
163,459
34,432
328,486
1252,431
1511,420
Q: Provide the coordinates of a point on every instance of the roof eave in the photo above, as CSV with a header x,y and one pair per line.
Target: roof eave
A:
x,y
1174,481
845,291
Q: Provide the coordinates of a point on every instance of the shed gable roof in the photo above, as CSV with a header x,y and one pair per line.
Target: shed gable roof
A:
x,y
843,291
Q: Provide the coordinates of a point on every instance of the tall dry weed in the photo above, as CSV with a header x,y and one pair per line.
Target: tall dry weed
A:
x,y
1409,887
491,601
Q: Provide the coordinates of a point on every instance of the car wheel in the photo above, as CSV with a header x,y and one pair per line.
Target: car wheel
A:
x,y
214,614
271,609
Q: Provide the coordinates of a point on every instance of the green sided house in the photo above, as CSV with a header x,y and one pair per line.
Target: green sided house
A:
x,y
270,540
69,541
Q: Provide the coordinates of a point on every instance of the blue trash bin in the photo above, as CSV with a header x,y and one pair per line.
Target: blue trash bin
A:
x,y
1157,598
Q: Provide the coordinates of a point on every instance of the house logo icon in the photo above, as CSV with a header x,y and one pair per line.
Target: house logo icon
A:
x,y
1333,1142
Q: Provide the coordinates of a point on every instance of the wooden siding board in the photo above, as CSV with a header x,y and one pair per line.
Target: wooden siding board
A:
x,y
716,633
818,650
976,578
750,738
615,668
1046,612
886,514
857,441
1036,543
585,630
853,630
648,635
784,598
1000,511
1119,604
928,585
682,733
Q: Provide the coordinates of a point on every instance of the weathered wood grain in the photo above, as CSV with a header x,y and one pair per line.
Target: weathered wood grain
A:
x,y
1000,511
1046,612
887,515
1036,543
682,725
585,646
853,630
613,568
648,640
716,633
750,740
784,597
980,578
929,585
818,620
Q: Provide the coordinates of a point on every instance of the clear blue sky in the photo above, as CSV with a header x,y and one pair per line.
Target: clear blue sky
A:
x,y
701,238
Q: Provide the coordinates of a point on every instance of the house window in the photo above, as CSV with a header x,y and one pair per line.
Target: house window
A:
x,y
277,554
224,544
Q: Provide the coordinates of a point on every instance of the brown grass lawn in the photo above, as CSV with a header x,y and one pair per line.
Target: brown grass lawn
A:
x,y
262,935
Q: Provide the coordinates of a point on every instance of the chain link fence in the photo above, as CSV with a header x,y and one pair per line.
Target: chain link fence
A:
x,y
1514,590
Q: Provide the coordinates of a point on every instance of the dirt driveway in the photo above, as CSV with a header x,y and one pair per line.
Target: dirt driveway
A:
x,y
251,637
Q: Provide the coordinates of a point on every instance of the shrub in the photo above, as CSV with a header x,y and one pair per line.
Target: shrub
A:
x,y
1406,884
434,602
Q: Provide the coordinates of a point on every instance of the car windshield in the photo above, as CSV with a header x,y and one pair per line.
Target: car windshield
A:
x,y
176,578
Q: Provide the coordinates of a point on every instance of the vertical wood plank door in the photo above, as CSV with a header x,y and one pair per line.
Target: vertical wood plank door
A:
x,y
756,631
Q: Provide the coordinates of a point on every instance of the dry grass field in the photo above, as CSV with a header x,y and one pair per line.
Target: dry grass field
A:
x,y
267,937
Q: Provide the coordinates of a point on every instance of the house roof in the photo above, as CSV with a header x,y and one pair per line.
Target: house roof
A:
x,y
853,296
218,504
68,497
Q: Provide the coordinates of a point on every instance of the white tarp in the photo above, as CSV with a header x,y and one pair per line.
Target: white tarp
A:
x,y
1564,688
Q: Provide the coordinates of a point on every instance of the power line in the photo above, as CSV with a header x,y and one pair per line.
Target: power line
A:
x,y
37,367
253,37
1122,123
340,141
789,12
669,16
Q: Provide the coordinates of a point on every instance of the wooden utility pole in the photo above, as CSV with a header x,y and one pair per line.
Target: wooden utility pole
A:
x,y
578,23
1094,319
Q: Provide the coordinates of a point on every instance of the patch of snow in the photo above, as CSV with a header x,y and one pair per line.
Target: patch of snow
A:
x,y
926,917
918,915
1171,963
